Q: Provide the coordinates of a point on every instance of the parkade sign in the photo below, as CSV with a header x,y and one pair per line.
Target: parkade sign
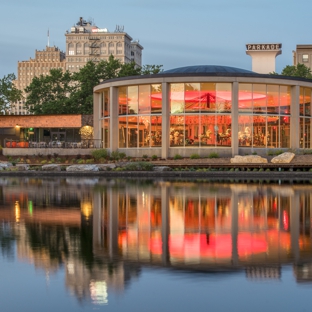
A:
x,y
264,47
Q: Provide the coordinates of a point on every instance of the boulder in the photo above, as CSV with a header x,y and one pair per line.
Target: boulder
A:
x,y
106,167
248,159
284,158
51,167
5,165
22,167
82,168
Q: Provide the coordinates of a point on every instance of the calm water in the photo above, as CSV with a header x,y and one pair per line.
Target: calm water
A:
x,y
74,244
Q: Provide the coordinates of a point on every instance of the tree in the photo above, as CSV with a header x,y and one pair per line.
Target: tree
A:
x,y
50,94
65,93
299,70
9,94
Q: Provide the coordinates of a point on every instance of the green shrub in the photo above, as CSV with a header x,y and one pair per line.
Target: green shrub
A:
x,y
122,155
100,153
139,166
145,156
194,156
89,161
154,157
80,161
43,162
213,155
115,155
177,156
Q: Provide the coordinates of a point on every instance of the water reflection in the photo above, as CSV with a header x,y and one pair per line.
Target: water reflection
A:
x,y
103,232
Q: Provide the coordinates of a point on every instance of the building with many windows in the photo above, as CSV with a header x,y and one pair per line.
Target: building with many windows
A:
x,y
87,42
203,109
44,61
303,55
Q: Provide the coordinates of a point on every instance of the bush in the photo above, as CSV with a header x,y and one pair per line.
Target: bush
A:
x,y
194,156
115,155
89,161
213,155
145,156
177,156
154,157
139,166
100,153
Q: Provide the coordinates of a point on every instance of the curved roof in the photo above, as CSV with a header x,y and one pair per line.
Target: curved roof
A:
x,y
207,69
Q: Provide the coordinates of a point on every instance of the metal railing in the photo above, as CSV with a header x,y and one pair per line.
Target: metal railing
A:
x,y
10,143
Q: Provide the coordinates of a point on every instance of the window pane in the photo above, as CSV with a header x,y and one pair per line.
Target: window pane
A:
x,y
273,131
144,131
122,132
259,98
176,98
307,102
192,97
223,130
105,103
156,98
176,130
191,130
285,131
105,133
245,128
144,99
208,97
301,101
122,100
260,137
223,97
206,136
156,133
285,100
273,99
133,98
245,97
132,131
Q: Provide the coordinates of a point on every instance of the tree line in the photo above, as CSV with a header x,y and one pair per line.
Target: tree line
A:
x,y
62,92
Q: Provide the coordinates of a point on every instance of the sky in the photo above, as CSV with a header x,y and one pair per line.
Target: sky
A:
x,y
174,33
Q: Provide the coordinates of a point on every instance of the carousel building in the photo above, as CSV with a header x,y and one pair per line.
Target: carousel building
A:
x,y
203,109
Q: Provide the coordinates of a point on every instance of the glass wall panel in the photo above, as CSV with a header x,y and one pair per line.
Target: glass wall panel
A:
x,y
156,98
192,97
301,101
259,96
105,133
177,130
144,131
284,131
305,132
105,103
133,99
207,133
132,131
144,99
260,137
156,132
245,130
285,100
223,130
192,130
223,97
122,127
245,97
122,100
273,99
273,130
307,101
208,97
177,98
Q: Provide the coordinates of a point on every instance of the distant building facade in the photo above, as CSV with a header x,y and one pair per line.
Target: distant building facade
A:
x,y
44,61
87,42
303,55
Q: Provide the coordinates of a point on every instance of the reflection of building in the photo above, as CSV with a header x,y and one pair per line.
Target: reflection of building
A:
x,y
199,109
87,42
200,226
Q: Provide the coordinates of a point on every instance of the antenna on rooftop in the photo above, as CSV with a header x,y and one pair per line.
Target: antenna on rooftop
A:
x,y
48,37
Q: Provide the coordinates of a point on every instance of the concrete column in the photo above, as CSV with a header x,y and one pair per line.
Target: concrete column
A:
x,y
114,109
234,115
165,127
294,119
165,225
97,124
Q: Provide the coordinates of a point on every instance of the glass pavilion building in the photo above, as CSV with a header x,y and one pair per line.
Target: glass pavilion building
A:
x,y
203,109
